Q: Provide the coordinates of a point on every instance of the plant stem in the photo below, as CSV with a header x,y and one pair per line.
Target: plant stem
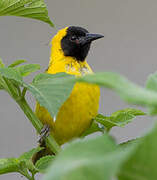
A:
x,y
33,176
24,92
30,114
26,174
51,143
12,90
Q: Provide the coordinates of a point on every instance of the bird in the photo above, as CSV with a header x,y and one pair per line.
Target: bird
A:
x,y
70,47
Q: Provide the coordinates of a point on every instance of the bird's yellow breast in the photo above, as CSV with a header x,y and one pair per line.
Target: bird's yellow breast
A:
x,y
76,114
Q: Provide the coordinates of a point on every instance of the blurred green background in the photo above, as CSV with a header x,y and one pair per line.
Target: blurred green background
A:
x,y
129,48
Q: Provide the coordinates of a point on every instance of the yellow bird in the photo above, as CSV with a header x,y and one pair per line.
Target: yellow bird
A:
x,y
70,47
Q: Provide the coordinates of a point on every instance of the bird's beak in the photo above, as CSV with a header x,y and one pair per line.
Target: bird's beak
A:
x,y
90,37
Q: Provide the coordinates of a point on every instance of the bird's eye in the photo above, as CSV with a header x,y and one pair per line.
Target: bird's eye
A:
x,y
73,38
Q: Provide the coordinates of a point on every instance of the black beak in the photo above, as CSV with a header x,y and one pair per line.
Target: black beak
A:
x,y
90,37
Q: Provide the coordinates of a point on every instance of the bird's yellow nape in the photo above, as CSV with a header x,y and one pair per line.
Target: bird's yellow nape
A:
x,y
56,50
59,36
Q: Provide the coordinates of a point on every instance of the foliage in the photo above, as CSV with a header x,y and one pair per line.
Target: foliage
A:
x,y
97,158
35,9
51,90
24,164
142,164
119,118
152,85
87,158
43,163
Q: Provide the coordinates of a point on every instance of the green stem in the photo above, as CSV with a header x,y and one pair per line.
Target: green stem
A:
x,y
29,177
107,129
24,92
9,87
33,176
30,114
26,174
51,143
13,92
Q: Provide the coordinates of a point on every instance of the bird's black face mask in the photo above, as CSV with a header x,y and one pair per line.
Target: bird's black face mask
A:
x,y
77,42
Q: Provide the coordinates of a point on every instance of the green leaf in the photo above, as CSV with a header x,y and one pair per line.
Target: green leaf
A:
x,y
25,70
15,74
51,90
28,155
132,141
19,164
129,111
35,9
17,62
152,85
152,82
26,159
9,165
143,162
92,129
1,80
1,86
12,74
119,118
43,163
45,76
97,158
1,63
127,90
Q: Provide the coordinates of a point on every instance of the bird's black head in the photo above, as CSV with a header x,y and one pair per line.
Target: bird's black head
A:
x,y
77,42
